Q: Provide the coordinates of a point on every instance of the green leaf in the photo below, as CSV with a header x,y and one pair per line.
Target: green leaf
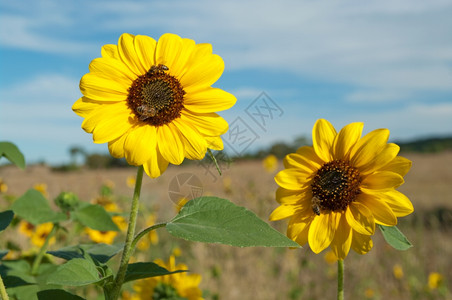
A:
x,y
76,272
14,281
12,153
3,253
142,270
96,217
100,252
216,220
395,237
57,294
5,218
33,207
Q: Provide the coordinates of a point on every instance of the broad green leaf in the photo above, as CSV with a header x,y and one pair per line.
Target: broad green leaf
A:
x,y
95,217
395,237
12,153
142,270
76,272
216,220
33,207
14,281
57,294
100,252
5,218
24,292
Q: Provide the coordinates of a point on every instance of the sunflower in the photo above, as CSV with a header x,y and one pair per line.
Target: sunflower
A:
x,y
177,286
152,101
337,190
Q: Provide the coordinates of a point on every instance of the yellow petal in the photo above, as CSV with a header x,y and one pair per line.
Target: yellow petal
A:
x,y
98,88
83,107
298,227
388,154
116,147
323,135
138,142
342,239
399,165
360,218
203,72
145,49
290,197
292,179
322,230
398,202
346,139
194,144
169,48
367,148
294,160
361,243
156,165
383,180
208,124
209,100
181,65
128,55
214,142
310,157
170,144
381,211
112,68
110,51
108,122
283,212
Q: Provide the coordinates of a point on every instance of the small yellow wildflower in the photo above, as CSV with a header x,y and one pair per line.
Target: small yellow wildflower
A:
x,y
3,186
131,181
397,271
42,188
270,163
330,257
26,228
434,280
39,236
106,237
178,285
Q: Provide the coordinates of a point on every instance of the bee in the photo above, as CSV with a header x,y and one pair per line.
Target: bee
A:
x,y
157,68
146,112
315,204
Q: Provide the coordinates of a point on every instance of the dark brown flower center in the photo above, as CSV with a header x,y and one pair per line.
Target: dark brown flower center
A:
x,y
335,186
156,97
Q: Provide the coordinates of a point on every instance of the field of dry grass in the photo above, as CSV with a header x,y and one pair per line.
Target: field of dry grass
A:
x,y
266,273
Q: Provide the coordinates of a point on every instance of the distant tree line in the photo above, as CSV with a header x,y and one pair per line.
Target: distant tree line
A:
x,y
279,149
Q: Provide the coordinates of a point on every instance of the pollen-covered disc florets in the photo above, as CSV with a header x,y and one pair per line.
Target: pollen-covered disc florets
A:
x,y
336,185
156,97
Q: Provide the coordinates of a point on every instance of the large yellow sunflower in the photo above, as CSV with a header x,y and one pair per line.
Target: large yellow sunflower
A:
x,y
152,101
337,190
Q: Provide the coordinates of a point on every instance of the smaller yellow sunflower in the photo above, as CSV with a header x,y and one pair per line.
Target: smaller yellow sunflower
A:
x,y
270,163
337,190
174,286
26,228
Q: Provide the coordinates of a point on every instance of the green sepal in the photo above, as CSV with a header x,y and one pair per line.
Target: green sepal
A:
x,y
12,153
395,237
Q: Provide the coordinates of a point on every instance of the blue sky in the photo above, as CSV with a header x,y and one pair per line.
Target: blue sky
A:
x,y
386,63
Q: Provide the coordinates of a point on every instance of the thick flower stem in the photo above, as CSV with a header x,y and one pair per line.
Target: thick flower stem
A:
x,y
42,251
3,294
340,280
114,293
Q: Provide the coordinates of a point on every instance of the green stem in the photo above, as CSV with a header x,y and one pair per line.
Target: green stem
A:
x,y
42,251
143,233
115,289
214,160
340,280
3,294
